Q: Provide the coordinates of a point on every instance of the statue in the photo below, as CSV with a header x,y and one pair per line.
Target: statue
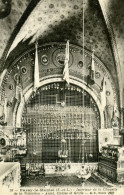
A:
x,y
115,117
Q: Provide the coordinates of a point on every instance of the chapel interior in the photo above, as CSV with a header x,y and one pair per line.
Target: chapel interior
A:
x,y
61,93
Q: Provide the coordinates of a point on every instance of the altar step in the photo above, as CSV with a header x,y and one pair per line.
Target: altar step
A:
x,y
99,178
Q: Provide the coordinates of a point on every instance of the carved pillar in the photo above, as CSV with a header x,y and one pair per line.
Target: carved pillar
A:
x,y
122,118
122,125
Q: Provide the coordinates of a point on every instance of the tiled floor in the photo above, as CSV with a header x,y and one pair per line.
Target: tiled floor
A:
x,y
61,181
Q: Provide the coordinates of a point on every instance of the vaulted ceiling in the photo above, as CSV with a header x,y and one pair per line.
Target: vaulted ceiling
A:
x,y
9,20
54,20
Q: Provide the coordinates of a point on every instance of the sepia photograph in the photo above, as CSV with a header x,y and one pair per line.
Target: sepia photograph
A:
x,y
61,97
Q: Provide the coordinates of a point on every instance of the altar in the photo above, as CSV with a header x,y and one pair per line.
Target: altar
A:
x,y
69,169
10,174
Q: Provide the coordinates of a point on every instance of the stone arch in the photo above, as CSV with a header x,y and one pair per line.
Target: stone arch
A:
x,y
19,109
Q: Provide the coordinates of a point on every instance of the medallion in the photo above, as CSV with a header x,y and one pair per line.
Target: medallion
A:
x,y
44,60
59,57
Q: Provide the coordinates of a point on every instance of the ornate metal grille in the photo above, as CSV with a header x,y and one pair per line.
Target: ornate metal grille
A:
x,y
58,111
